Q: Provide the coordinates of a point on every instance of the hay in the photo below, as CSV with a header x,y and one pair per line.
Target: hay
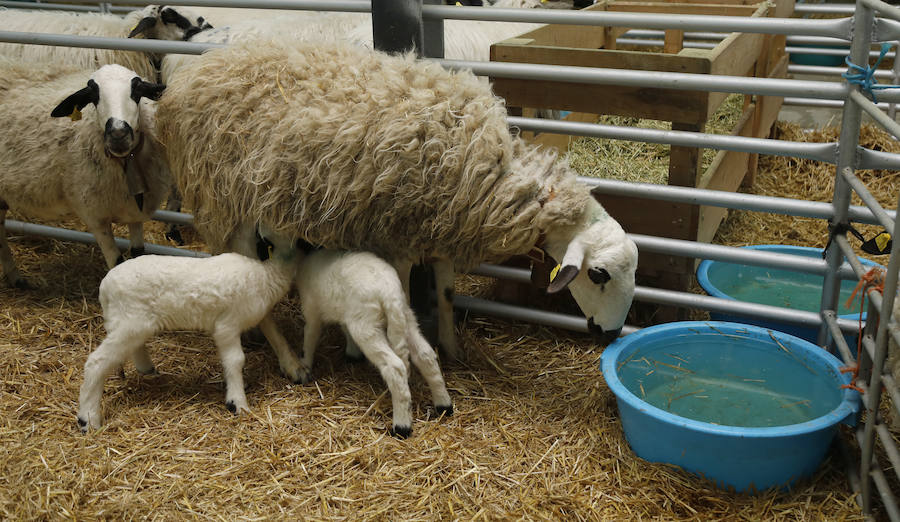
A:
x,y
535,435
644,162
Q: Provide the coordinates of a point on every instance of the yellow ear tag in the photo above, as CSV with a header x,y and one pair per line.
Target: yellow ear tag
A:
x,y
882,241
459,4
76,114
271,249
554,272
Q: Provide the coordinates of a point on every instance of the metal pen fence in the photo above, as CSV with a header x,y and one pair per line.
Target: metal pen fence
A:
x,y
866,472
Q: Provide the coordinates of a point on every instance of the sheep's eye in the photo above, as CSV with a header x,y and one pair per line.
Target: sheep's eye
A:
x,y
599,275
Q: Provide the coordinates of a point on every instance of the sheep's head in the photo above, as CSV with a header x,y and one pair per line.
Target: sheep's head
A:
x,y
598,266
163,22
116,93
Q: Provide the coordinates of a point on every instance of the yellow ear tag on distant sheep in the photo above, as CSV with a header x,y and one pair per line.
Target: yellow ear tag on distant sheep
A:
x,y
554,272
76,114
459,4
882,241
271,249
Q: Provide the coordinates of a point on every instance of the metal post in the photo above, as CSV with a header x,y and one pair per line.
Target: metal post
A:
x,y
397,26
847,158
433,30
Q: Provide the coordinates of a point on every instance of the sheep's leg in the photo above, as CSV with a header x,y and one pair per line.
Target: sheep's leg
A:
x,y
424,358
290,365
231,353
136,237
444,276
173,203
109,356
393,370
10,271
104,235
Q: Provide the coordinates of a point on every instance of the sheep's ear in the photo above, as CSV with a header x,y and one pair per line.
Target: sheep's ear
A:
x,y
263,246
141,89
570,266
305,246
73,104
564,275
143,26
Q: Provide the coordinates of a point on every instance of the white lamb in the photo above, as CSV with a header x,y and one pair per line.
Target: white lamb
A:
x,y
105,168
223,295
160,22
363,294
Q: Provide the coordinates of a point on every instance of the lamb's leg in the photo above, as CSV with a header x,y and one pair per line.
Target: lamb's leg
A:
x,y
228,342
374,345
142,361
424,358
6,258
444,279
104,235
136,237
290,365
109,356
312,330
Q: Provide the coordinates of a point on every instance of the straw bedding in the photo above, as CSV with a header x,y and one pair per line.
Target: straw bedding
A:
x,y
535,434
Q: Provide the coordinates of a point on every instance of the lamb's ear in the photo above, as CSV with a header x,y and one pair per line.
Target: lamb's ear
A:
x,y
141,89
143,26
73,104
569,268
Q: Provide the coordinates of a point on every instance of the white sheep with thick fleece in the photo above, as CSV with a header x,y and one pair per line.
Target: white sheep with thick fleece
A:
x,y
223,295
363,294
104,168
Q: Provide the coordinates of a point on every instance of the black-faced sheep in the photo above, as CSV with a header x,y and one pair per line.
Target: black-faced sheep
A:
x,y
105,168
358,150
159,22
223,295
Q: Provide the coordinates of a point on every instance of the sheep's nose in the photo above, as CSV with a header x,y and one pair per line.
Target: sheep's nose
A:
x,y
117,130
603,337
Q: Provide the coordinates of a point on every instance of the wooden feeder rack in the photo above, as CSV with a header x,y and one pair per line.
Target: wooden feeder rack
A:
x,y
739,54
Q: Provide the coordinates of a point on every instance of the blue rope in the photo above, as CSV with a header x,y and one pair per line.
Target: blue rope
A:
x,y
865,77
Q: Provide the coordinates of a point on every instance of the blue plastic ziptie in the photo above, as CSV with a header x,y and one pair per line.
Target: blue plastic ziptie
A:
x,y
865,77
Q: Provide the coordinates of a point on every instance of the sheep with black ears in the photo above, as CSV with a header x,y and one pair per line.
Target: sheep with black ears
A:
x,y
159,22
363,294
223,295
354,149
105,168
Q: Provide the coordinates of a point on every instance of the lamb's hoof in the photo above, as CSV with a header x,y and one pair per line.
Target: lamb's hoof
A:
x,y
82,424
148,373
136,252
298,376
446,411
401,432
174,235
231,407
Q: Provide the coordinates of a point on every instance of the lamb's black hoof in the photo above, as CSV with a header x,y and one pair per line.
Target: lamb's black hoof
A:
x,y
82,424
174,235
136,252
446,411
231,407
401,432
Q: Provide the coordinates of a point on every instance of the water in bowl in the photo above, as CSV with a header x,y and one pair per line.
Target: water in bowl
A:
x,y
776,287
724,379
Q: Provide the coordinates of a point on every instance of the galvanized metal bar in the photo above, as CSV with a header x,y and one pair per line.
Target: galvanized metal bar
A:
x,y
880,117
520,313
104,42
890,385
866,197
890,447
177,218
433,33
519,275
356,6
53,7
837,337
846,9
883,8
670,80
734,200
881,74
62,234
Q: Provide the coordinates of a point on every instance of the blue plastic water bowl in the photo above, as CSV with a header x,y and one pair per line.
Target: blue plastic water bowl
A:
x,y
743,406
776,287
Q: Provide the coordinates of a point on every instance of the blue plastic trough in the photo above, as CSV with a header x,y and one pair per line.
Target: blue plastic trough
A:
x,y
743,406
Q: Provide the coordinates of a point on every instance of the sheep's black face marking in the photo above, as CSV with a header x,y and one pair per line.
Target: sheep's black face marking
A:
x,y
143,26
141,89
171,16
599,276
77,100
603,337
118,136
